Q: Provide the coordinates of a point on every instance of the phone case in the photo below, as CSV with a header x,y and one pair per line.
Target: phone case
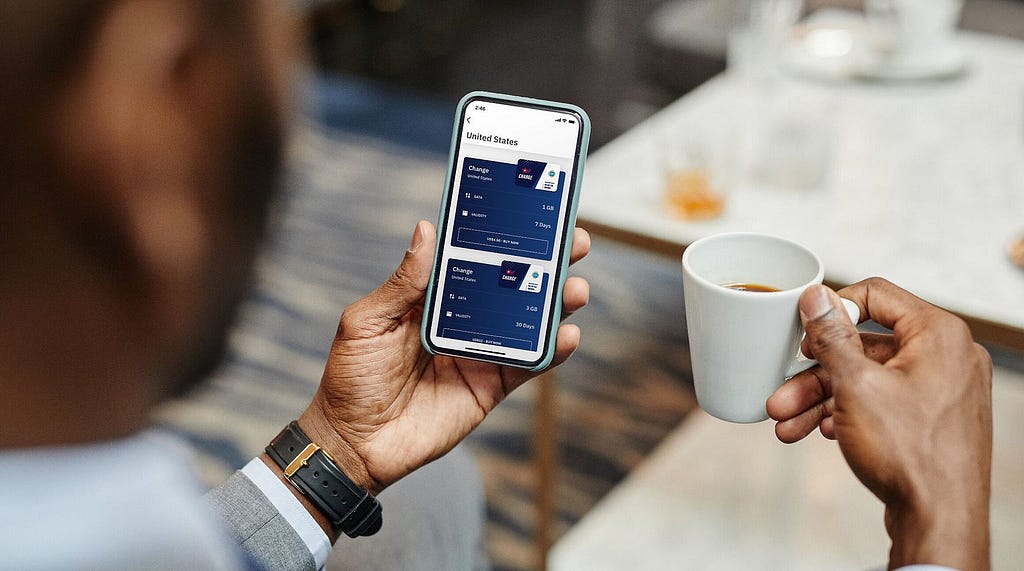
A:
x,y
566,246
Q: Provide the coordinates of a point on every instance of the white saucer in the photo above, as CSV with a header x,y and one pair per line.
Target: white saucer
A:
x,y
935,64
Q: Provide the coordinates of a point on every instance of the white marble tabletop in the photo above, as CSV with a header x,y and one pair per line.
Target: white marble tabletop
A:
x,y
924,186
723,496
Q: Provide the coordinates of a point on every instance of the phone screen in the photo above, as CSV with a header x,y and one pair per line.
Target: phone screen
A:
x,y
503,233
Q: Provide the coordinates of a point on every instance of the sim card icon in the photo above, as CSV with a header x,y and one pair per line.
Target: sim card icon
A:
x,y
548,179
533,279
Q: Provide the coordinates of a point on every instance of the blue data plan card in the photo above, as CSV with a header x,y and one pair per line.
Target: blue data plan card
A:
x,y
499,211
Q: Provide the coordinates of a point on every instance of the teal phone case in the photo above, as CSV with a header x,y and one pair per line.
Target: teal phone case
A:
x,y
549,352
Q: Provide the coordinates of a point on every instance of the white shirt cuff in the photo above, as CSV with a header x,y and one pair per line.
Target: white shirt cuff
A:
x,y
290,508
924,567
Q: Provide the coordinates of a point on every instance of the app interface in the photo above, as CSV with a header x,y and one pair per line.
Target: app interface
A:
x,y
505,228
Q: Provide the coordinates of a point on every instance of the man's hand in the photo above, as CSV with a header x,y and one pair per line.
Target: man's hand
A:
x,y
912,413
385,406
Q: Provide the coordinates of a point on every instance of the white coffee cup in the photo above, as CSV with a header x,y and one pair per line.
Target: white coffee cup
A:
x,y
745,344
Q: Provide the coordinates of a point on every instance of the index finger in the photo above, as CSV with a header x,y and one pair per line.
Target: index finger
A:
x,y
887,304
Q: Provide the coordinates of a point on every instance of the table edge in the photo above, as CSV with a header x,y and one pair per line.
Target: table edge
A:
x,y
1005,336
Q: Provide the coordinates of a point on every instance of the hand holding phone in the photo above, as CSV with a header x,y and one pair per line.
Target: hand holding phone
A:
x,y
505,229
379,384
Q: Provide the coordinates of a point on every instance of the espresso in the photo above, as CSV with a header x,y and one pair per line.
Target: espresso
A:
x,y
751,287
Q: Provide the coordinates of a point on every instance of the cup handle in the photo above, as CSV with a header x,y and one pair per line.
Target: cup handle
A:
x,y
800,363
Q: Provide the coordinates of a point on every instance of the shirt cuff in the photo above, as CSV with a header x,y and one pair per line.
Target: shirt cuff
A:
x,y
290,508
920,567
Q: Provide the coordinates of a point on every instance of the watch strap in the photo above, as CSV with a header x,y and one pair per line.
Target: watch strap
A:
x,y
349,508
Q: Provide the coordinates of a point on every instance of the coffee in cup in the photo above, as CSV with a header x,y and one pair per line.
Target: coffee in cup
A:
x,y
745,286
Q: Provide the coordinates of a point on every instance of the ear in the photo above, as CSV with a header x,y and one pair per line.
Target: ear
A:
x,y
144,116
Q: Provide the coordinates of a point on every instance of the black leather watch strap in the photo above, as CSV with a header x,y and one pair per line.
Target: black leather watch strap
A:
x,y
349,508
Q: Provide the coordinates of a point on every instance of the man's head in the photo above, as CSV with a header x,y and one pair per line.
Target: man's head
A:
x,y
141,141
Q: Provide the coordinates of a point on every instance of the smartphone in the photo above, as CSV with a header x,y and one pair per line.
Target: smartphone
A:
x,y
505,229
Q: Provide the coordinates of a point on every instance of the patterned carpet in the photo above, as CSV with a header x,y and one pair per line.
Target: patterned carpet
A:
x,y
349,208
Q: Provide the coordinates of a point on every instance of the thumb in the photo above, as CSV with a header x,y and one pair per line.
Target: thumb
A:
x,y
404,289
831,338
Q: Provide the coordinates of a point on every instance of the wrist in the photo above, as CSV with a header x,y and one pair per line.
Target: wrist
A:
x,y
308,467
317,515
318,427
951,531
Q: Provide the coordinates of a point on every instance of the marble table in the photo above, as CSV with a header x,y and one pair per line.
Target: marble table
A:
x,y
725,496
924,183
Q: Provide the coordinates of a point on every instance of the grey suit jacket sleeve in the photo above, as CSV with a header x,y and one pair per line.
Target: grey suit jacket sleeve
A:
x,y
258,527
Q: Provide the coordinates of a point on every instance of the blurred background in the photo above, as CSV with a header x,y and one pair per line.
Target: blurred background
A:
x,y
621,61
367,161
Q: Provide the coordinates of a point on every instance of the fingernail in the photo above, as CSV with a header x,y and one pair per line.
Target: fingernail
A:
x,y
417,238
815,303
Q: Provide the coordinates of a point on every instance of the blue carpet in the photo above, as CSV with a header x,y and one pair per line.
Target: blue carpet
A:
x,y
368,108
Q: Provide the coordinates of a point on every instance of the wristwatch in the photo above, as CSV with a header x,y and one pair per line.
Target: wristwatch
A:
x,y
350,509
